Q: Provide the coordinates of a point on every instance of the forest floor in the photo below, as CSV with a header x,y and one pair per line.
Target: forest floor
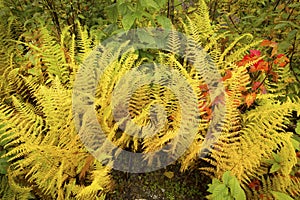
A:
x,y
159,185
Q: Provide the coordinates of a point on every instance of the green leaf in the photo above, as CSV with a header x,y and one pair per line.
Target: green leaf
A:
x,y
139,14
298,128
149,17
161,3
164,22
283,46
128,21
112,13
294,5
145,37
260,20
295,142
275,167
123,8
292,34
81,16
226,177
235,189
281,196
276,157
213,185
34,71
220,191
149,4
280,26
292,24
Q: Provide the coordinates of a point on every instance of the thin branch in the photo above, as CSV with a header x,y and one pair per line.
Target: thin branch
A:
x,y
291,59
171,9
277,3
238,30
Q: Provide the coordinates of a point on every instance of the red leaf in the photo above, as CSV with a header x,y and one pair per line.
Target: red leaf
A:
x,y
255,85
275,76
261,65
250,98
265,43
269,43
227,75
255,184
281,60
204,87
261,196
254,52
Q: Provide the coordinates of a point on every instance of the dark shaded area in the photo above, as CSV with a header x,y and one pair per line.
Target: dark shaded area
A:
x,y
191,184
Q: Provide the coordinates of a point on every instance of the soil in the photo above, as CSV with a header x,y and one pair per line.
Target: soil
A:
x,y
188,185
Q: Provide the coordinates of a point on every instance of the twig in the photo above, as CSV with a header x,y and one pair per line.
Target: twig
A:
x,y
277,3
238,30
291,59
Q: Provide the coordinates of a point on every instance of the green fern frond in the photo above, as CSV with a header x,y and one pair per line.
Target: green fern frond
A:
x,y
84,43
232,45
53,56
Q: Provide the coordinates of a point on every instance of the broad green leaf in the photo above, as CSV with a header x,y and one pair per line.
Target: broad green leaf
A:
x,y
145,37
123,8
149,17
112,13
150,4
220,191
296,143
235,189
164,22
276,157
213,185
128,21
226,177
283,46
275,167
139,14
281,196
161,3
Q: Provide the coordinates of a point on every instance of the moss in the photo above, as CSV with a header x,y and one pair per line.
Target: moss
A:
x,y
155,185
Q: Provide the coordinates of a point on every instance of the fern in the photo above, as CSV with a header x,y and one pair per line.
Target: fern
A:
x,y
246,140
45,153
277,183
41,111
